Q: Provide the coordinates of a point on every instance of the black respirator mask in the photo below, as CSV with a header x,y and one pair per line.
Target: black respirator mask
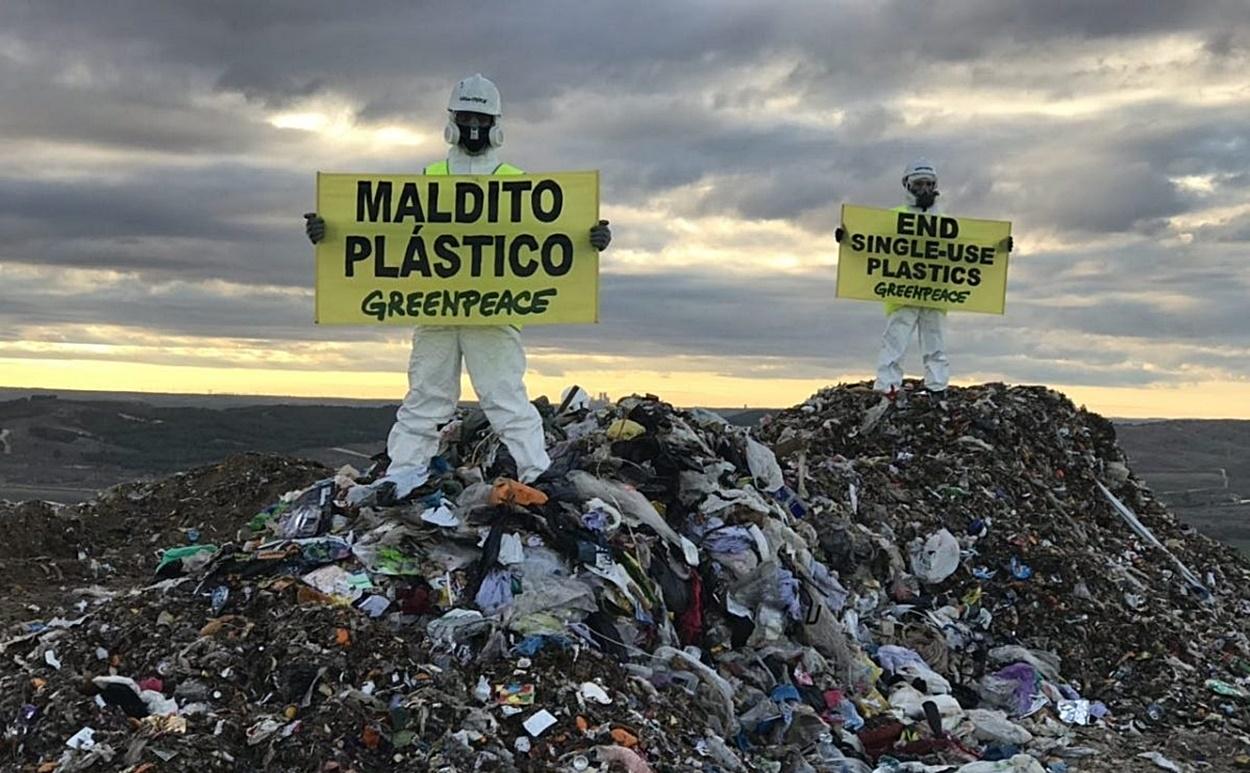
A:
x,y
474,139
925,195
473,131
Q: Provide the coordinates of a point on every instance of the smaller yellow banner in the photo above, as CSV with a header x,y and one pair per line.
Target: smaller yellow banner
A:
x,y
457,250
910,259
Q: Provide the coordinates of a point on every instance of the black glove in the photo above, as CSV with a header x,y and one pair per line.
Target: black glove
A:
x,y
1011,243
314,226
838,233
600,236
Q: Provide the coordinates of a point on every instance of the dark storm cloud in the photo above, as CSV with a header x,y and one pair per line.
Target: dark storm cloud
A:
x,y
161,202
136,141
166,222
686,62
125,117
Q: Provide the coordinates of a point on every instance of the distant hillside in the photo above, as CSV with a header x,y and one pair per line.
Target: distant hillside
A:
x,y
88,444
1199,468
1194,451
178,399
746,417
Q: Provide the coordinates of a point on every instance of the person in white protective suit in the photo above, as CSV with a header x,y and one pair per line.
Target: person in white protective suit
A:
x,y
920,182
493,355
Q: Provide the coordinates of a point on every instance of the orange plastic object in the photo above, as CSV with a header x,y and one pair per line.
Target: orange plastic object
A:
x,y
512,492
624,738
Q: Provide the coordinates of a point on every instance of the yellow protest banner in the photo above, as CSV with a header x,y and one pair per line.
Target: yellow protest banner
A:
x,y
457,250
942,262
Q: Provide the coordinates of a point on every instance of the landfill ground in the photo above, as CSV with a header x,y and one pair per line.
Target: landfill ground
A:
x,y
856,585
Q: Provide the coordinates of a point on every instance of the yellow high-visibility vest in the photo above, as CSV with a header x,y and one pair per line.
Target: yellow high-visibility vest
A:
x,y
443,168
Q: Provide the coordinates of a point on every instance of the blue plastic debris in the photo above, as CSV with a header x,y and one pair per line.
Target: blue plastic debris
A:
x,y
1020,570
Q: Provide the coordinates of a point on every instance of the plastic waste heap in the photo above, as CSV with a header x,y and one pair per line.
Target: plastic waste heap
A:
x,y
974,585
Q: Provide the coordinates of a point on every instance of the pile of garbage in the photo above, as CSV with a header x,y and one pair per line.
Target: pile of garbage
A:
x,y
48,548
970,584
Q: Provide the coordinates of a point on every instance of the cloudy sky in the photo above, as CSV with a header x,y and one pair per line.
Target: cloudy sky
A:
x,y
155,158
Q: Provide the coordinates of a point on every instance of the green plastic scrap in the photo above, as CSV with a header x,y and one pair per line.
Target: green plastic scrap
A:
x,y
639,576
170,555
393,561
1228,690
263,518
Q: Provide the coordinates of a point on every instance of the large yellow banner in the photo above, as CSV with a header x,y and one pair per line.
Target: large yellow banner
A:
x,y
457,250
942,262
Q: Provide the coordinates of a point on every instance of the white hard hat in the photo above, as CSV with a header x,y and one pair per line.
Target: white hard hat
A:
x,y
475,94
920,169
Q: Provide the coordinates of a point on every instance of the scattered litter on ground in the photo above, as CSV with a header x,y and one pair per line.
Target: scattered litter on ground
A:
x,y
972,584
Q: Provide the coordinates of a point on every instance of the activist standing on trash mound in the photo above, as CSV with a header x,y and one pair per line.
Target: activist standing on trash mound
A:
x,y
493,355
921,183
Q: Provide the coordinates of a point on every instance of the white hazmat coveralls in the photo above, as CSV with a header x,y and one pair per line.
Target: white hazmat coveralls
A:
x,y
496,364
900,323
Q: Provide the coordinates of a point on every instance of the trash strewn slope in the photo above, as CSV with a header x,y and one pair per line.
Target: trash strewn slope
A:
x,y
977,583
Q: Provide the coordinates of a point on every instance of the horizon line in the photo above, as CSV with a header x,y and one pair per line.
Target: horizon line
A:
x,y
268,397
